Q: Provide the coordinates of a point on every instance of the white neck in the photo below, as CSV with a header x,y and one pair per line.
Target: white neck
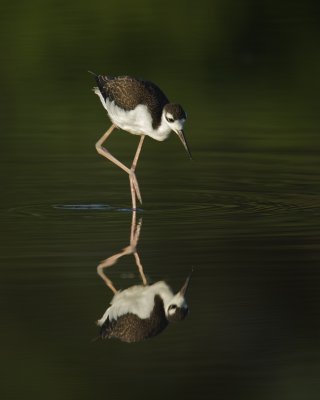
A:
x,y
138,300
162,132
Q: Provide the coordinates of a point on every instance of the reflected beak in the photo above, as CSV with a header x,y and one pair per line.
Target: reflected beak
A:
x,y
184,288
184,142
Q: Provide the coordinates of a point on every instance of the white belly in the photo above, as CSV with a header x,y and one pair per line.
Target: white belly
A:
x,y
137,121
138,300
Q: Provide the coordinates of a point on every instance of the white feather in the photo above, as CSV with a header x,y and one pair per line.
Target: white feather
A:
x,y
137,121
138,300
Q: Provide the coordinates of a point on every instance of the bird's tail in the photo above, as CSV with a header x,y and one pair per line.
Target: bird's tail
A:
x,y
96,77
99,83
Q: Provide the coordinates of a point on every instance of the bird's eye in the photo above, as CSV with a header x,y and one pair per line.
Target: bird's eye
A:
x,y
170,119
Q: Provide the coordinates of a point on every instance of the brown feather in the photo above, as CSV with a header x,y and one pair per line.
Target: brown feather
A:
x,y
130,328
128,93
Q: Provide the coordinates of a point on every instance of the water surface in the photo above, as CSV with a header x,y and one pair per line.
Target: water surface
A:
x,y
244,214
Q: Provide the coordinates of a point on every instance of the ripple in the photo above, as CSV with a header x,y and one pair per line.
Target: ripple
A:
x,y
61,210
215,205
81,207
251,203
228,204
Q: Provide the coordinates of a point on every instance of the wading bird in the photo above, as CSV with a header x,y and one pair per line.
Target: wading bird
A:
x,y
140,311
140,108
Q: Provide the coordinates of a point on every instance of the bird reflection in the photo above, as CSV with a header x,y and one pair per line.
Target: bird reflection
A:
x,y
140,311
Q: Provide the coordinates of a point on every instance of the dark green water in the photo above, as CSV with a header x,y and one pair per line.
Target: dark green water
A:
x,y
245,213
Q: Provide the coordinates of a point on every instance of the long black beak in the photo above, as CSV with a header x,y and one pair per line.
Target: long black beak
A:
x,y
184,288
184,142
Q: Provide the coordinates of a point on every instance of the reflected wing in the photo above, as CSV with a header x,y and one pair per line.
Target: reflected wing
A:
x,y
130,328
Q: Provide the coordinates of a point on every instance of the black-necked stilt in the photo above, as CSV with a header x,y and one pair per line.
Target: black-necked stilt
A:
x,y
141,108
140,311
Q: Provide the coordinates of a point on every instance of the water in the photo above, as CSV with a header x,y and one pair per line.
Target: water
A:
x,y
244,214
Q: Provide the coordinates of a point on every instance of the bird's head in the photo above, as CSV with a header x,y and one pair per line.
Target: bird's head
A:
x,y
177,308
175,117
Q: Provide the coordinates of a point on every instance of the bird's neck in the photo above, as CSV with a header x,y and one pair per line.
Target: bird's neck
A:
x,y
164,291
162,131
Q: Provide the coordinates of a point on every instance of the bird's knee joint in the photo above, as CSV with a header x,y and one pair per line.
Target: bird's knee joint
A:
x,y
132,174
100,149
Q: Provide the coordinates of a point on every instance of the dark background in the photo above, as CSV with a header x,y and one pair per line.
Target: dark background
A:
x,y
244,213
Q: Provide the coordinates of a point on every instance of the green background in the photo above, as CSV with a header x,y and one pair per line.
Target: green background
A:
x,y
244,213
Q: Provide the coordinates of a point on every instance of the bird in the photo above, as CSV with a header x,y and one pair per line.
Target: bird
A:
x,y
141,312
138,107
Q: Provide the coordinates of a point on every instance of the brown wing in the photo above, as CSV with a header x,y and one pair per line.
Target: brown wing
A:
x,y
128,93
130,328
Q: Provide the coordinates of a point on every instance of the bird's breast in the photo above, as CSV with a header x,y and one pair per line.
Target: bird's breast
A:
x,y
137,121
138,300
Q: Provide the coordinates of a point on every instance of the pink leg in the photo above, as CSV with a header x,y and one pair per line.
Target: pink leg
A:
x,y
133,195
136,157
133,168
131,249
134,238
105,153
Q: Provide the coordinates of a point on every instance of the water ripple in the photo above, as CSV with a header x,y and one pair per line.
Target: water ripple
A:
x,y
62,210
215,205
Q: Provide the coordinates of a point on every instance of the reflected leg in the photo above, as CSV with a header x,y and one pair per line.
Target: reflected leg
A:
x,y
135,234
131,249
